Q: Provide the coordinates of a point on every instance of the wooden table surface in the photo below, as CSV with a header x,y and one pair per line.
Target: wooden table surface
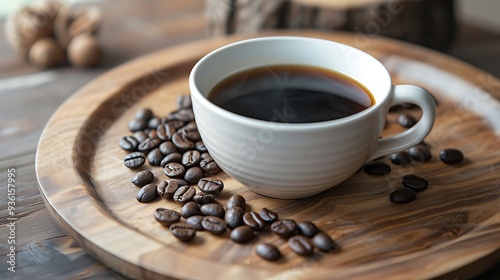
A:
x,y
29,96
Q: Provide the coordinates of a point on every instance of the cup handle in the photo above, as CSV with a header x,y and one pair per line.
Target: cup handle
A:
x,y
414,135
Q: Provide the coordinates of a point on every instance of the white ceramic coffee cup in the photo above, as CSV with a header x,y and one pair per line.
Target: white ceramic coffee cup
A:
x,y
296,160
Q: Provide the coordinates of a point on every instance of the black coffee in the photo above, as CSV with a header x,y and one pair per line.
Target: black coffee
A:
x,y
291,94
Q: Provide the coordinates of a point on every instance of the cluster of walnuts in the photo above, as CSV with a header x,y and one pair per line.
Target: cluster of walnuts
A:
x,y
53,34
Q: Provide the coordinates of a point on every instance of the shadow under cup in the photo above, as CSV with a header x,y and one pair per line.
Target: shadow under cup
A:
x,y
290,160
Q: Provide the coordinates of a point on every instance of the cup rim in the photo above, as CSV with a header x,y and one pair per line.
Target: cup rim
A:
x,y
203,100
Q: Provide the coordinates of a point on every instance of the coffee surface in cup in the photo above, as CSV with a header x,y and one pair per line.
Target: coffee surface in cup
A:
x,y
291,94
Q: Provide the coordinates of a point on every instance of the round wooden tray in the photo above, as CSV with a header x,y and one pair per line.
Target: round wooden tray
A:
x,y
452,229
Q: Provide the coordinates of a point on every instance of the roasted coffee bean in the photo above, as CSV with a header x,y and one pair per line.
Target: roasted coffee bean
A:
x,y
451,156
149,144
206,155
325,243
181,142
191,158
403,195
184,102
185,115
173,157
236,201
174,170
166,131
210,185
129,143
253,220
214,225
268,251
184,194
284,228
166,217
152,134
136,125
143,178
153,123
200,146
155,157
195,221
181,182
140,136
134,160
300,244
203,198
213,209
190,209
234,217
193,135
182,231
242,234
167,188
406,120
268,215
377,168
144,114
209,166
147,193
307,229
168,148
193,175
415,182
175,123
420,153
401,158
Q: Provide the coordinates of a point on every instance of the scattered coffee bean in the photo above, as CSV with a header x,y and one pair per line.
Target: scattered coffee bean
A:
x,y
210,185
152,134
284,228
167,148
325,243
184,102
242,234
183,231
377,168
236,201
268,215
143,178
203,198
175,123
300,244
174,170
406,120
193,175
420,153
155,157
134,160
153,123
191,158
144,114
190,209
205,155
184,194
173,157
185,115
147,193
214,225
234,217
200,146
191,133
403,195
451,156
253,220
167,188
181,142
307,229
415,182
195,221
148,144
181,182
165,131
268,251
401,158
129,143
166,217
213,209
209,166
137,125
140,136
